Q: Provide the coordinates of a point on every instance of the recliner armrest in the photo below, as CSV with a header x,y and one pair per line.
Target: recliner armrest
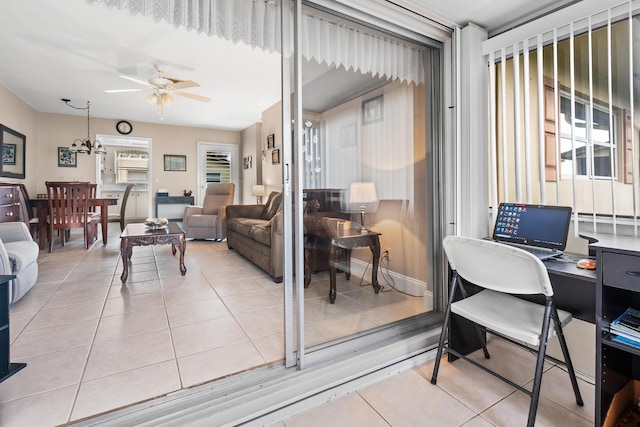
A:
x,y
191,210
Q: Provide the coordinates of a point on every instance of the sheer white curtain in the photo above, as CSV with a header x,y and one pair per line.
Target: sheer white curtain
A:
x,y
257,23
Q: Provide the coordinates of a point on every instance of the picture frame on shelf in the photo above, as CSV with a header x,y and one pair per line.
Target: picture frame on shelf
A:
x,y
271,141
175,162
275,156
67,158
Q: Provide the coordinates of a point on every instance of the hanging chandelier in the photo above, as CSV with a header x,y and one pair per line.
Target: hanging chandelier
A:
x,y
85,145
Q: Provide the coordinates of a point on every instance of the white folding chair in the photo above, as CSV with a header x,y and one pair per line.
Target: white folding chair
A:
x,y
503,271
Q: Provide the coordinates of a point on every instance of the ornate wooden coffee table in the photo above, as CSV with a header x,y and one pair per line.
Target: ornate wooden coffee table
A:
x,y
141,235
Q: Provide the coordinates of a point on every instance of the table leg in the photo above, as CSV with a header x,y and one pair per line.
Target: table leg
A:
x,y
125,254
375,251
42,230
104,220
333,255
347,263
307,269
183,248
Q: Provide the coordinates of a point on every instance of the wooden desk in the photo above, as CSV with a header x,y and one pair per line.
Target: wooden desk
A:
x,y
42,211
141,235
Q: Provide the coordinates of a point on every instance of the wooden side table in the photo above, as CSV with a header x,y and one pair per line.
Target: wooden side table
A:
x,y
342,242
7,368
141,235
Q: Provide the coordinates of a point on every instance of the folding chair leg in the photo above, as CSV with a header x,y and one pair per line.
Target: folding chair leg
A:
x,y
537,380
481,337
443,334
567,357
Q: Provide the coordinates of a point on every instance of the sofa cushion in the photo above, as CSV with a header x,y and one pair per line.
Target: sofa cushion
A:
x,y
22,253
244,225
272,206
202,220
261,233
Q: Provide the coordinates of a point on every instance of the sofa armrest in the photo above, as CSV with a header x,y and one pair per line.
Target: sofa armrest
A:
x,y
244,211
14,232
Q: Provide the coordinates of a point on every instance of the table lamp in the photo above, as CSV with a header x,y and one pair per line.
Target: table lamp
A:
x,y
258,191
362,192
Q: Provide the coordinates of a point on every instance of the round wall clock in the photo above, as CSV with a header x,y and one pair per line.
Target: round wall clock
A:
x,y
124,127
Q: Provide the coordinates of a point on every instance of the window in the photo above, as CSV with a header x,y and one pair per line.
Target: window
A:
x,y
565,109
595,153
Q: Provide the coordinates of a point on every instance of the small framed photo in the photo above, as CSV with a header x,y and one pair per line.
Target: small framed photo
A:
x,y
247,162
8,154
373,110
275,157
66,158
271,141
175,162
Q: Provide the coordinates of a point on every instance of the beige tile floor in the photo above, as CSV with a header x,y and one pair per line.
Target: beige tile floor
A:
x,y
93,345
464,396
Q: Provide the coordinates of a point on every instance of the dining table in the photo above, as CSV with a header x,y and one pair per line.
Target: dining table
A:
x,y
41,206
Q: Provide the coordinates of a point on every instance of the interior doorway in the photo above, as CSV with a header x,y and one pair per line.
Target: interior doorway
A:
x,y
217,163
127,161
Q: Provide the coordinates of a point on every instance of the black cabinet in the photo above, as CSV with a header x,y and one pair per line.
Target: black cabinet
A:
x,y
618,288
6,367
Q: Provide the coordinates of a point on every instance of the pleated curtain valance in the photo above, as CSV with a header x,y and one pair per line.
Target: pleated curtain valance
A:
x,y
256,23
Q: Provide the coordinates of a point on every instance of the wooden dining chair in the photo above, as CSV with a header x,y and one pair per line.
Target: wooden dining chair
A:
x,y
68,209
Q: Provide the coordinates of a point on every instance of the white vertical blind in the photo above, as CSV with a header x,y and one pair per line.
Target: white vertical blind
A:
x,y
256,23
591,129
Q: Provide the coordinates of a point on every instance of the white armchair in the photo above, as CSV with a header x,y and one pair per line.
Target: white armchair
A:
x,y
18,257
209,220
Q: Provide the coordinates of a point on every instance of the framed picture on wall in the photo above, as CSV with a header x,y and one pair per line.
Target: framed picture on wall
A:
x,y
8,154
275,156
373,110
66,158
271,141
175,162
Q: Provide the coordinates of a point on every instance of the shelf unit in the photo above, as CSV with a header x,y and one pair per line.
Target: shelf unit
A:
x,y
618,288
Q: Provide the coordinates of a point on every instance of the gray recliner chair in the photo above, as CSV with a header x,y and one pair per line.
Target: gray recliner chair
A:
x,y
18,257
209,220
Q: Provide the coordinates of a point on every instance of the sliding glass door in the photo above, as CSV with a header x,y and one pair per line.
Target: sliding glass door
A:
x,y
359,178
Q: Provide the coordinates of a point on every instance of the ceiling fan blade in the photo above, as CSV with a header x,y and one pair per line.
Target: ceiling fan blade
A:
x,y
183,84
136,80
123,90
193,96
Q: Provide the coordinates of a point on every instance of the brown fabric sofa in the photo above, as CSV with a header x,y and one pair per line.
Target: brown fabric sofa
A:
x,y
255,232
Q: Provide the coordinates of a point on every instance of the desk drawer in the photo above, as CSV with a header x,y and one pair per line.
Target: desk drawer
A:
x,y
621,271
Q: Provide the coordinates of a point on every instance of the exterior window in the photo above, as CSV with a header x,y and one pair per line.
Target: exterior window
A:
x,y
593,135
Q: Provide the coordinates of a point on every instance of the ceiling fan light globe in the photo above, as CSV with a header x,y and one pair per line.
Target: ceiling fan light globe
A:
x,y
152,98
166,99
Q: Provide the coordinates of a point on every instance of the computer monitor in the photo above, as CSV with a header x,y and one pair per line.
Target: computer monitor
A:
x,y
533,225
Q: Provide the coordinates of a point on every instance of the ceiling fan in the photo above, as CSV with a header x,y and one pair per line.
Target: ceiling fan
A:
x,y
163,88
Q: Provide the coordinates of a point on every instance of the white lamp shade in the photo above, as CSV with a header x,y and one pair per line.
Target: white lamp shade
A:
x,y
363,192
258,190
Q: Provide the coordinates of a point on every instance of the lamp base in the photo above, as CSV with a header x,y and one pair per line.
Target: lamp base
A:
x,y
363,230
